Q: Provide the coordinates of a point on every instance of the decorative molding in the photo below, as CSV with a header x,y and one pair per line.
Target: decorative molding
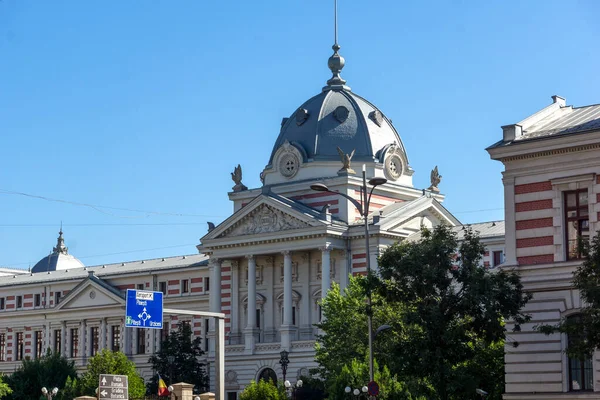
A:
x,y
294,272
550,153
377,117
259,275
264,219
331,272
393,162
341,114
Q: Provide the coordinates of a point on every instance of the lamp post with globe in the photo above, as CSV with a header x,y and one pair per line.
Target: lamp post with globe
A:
x,y
358,393
292,388
49,394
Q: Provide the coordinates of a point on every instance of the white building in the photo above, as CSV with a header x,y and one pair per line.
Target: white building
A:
x,y
551,196
266,266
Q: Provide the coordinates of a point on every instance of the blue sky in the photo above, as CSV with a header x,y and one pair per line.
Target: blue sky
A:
x,y
149,105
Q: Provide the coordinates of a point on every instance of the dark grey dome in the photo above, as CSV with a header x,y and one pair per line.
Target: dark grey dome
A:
x,y
338,118
59,259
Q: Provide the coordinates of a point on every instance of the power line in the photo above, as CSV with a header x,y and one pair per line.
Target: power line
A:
x,y
99,207
119,253
98,224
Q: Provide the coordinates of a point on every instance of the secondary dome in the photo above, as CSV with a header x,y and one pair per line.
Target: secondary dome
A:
x,y
59,259
337,117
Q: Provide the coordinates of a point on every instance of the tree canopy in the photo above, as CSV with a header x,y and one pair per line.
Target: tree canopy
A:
x,y
263,390
186,366
586,327
446,312
4,388
111,362
51,370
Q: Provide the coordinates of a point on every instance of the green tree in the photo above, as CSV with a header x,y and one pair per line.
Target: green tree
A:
x,y
451,308
356,375
343,330
48,371
586,328
186,366
263,391
4,388
111,362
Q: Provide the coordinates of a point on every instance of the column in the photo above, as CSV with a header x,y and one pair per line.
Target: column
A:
x,y
63,339
325,269
214,300
510,238
270,324
344,269
286,327
82,348
103,333
235,331
306,327
251,310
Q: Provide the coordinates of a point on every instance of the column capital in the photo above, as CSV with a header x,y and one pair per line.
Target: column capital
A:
x,y
214,261
286,252
326,247
250,256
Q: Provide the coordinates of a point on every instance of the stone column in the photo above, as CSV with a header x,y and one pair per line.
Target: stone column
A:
x,y
325,269
344,269
214,300
270,324
82,348
286,327
103,334
251,311
63,339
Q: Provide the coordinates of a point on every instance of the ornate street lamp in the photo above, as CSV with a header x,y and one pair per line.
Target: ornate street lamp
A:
x,y
288,386
284,361
49,394
363,210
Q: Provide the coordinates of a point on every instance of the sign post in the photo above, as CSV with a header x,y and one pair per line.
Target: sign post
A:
x,y
113,387
144,309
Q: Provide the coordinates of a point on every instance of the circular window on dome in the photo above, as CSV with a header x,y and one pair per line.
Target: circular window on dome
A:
x,y
288,165
393,166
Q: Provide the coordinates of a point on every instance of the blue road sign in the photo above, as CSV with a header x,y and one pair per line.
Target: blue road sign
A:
x,y
144,309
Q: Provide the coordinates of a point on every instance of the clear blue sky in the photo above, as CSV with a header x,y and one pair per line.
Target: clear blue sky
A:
x,y
149,105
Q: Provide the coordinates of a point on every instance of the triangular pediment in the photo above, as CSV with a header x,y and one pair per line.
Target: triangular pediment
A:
x,y
91,292
423,211
266,215
264,219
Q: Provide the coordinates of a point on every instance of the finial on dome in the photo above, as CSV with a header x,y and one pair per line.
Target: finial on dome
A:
x,y
60,243
336,62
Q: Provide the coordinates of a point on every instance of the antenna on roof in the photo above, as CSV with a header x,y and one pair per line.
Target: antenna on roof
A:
x,y
335,20
336,61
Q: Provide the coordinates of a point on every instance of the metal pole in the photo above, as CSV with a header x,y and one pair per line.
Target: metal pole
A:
x,y
368,255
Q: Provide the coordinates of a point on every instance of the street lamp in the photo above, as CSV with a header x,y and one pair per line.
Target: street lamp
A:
x,y
284,361
49,394
481,392
288,386
363,210
357,392
171,360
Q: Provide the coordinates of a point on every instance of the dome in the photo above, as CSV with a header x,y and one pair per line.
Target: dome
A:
x,y
59,259
337,117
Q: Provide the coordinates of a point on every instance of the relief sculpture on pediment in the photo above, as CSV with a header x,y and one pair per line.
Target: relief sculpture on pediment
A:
x,y
265,220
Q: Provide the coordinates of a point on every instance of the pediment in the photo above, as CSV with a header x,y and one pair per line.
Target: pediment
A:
x,y
425,211
90,293
264,219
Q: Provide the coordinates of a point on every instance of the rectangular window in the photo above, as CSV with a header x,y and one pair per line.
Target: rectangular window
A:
x,y
185,286
206,329
2,346
57,341
293,315
19,301
94,339
57,296
164,332
141,341
115,333
258,318
498,257
39,347
140,286
1,303
37,300
74,342
577,224
581,371
206,284
19,346
162,287
231,395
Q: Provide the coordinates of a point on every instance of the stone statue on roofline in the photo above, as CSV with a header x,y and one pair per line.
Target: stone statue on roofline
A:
x,y
436,178
346,160
236,176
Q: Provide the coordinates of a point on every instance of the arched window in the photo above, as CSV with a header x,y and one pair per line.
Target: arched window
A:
x,y
581,371
267,375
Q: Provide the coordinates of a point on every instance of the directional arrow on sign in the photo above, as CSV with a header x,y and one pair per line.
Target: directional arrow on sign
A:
x,y
103,380
104,393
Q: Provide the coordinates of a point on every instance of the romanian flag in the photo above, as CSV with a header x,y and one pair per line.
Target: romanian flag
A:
x,y
162,387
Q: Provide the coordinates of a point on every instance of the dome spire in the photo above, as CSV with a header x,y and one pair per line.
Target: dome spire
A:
x,y
60,243
336,62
